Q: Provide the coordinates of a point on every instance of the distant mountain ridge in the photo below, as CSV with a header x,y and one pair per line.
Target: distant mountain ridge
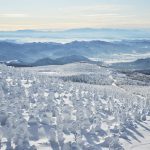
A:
x,y
30,52
140,64
49,61
61,60
73,30
75,34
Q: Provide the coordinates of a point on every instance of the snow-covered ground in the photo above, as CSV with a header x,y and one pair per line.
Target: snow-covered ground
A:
x,y
76,106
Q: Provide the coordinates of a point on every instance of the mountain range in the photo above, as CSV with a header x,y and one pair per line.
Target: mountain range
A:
x,y
48,61
138,65
30,52
77,34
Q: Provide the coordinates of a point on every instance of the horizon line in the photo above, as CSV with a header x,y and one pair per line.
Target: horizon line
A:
x,y
82,28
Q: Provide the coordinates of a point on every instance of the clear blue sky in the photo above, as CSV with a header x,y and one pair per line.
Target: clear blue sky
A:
x,y
66,14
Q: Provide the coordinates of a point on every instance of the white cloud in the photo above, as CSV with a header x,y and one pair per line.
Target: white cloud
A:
x,y
13,15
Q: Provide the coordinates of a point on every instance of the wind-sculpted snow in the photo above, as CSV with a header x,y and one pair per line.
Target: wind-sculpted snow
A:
x,y
44,112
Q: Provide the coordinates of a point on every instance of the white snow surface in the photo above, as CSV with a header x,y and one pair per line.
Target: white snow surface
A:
x,y
76,106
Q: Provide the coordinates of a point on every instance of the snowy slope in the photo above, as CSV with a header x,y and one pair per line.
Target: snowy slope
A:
x,y
43,107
